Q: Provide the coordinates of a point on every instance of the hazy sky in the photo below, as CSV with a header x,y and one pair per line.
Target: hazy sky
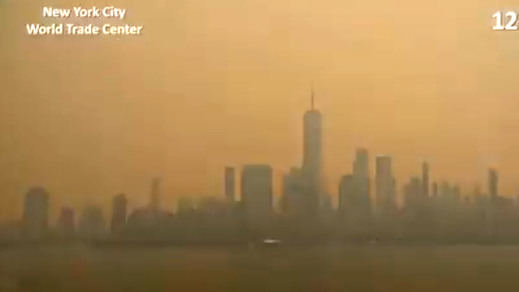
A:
x,y
215,83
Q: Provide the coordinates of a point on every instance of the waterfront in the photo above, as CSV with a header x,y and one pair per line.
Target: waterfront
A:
x,y
284,268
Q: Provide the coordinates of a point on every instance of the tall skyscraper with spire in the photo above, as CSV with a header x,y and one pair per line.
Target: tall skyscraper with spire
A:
x,y
312,155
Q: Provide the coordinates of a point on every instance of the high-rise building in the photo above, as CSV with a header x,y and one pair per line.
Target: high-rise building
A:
x,y
384,185
119,213
229,184
425,179
354,198
492,183
435,189
293,203
151,214
36,213
66,222
362,181
92,223
256,192
354,189
346,194
312,157
361,164
413,193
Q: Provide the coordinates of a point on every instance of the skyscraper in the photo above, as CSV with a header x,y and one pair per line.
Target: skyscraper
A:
x,y
256,191
35,213
354,199
151,214
492,183
413,192
354,189
293,190
362,183
346,194
66,222
435,189
92,223
312,157
425,179
119,210
384,185
360,165
229,184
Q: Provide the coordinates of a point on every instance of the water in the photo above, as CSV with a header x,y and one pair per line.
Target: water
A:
x,y
284,268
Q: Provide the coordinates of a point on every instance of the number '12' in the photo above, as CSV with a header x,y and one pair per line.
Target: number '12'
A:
x,y
506,21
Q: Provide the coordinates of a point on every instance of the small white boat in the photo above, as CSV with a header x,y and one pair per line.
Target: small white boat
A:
x,y
271,241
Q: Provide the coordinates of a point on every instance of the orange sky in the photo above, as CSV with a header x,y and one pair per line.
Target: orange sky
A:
x,y
215,83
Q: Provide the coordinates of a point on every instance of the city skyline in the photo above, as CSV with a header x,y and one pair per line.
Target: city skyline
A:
x,y
260,145
302,190
368,209
312,170
228,84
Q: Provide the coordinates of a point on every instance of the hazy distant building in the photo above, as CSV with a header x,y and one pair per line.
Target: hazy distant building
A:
x,y
435,189
492,183
142,219
418,212
327,212
457,192
185,206
346,194
212,207
413,193
449,194
312,157
354,190
66,222
256,191
425,179
354,198
35,213
384,185
293,200
230,184
92,224
361,163
119,213
362,181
